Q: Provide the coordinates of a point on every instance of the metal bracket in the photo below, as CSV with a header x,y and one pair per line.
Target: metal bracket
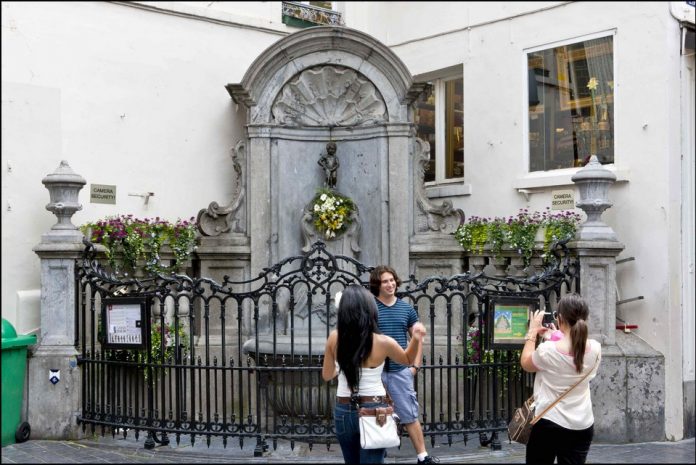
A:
x,y
145,195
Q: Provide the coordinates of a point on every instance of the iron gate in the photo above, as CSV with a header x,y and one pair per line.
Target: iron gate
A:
x,y
242,360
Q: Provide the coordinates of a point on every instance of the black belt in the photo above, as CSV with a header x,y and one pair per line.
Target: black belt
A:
x,y
362,399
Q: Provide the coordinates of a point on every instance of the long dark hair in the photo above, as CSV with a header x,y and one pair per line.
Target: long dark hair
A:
x,y
574,311
357,322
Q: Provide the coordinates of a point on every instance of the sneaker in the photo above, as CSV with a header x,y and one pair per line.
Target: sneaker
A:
x,y
428,459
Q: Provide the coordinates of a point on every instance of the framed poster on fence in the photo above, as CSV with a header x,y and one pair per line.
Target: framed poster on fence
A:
x,y
509,320
125,321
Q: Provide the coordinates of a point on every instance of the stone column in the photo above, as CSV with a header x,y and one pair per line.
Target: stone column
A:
x,y
54,406
597,249
399,198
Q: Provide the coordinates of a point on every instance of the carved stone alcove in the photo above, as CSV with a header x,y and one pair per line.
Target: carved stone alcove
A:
x,y
319,85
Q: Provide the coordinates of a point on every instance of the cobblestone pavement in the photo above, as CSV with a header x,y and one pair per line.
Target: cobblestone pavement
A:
x,y
109,449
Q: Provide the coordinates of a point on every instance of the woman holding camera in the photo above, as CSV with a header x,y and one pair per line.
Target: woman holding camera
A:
x,y
355,352
566,430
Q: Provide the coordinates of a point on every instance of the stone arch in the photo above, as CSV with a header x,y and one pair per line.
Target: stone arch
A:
x,y
326,45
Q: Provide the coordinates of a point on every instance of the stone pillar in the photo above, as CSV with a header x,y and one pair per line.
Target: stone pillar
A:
x,y
631,371
53,407
598,286
597,249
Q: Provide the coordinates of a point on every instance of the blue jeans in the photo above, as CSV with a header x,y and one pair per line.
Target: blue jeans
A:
x,y
348,435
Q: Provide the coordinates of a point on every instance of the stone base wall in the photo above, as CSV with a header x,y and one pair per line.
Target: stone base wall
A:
x,y
628,393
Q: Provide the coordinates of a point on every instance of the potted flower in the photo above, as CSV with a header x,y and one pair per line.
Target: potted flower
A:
x,y
331,213
521,232
558,227
132,239
518,232
473,235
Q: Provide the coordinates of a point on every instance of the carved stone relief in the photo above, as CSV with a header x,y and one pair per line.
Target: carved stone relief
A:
x,y
216,220
442,218
329,96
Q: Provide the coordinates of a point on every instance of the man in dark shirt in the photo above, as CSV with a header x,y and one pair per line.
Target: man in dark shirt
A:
x,y
398,319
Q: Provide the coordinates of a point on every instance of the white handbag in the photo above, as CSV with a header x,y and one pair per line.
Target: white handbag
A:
x,y
378,428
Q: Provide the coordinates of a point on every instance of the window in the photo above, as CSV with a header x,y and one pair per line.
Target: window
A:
x,y
439,121
571,104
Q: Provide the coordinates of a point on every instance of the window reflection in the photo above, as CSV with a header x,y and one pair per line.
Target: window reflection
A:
x,y
440,117
571,105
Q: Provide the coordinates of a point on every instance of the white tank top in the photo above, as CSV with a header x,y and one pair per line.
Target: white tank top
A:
x,y
370,382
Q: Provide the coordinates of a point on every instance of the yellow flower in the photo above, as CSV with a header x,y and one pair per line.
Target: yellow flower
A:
x,y
592,83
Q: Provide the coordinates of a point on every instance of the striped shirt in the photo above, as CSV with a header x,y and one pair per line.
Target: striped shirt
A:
x,y
395,321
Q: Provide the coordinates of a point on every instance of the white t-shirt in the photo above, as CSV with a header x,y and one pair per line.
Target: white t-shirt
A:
x,y
555,374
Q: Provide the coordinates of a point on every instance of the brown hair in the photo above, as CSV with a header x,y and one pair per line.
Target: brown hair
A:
x,y
574,311
376,278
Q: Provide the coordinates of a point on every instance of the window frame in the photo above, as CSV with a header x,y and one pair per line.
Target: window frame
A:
x,y
438,79
526,161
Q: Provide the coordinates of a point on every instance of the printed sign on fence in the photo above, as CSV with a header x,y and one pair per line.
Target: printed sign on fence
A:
x,y
125,321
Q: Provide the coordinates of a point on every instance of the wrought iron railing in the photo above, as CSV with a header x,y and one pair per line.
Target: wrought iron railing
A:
x,y
243,360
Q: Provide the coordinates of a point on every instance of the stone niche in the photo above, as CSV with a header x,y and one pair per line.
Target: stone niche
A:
x,y
321,85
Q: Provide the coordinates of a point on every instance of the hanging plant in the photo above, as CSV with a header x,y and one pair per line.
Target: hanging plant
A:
x,y
521,231
132,238
473,235
558,227
517,232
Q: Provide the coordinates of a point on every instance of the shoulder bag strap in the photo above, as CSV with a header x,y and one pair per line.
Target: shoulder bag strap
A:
x,y
538,417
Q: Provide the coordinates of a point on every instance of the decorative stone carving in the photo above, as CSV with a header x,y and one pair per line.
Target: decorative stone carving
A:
x,y
329,96
442,218
216,220
593,182
312,14
63,187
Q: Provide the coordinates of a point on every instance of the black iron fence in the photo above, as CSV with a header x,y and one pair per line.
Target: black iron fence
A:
x,y
242,360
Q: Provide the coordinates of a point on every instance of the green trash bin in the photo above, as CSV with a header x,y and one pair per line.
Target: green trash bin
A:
x,y
14,363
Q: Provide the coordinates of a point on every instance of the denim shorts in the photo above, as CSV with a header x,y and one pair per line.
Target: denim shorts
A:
x,y
399,384
348,434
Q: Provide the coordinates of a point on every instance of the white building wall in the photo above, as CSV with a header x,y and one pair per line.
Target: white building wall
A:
x,y
648,199
128,97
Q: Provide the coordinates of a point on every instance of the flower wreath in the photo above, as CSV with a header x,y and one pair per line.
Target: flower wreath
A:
x,y
331,212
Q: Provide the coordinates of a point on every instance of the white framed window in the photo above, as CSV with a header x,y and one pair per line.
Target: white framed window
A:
x,y
571,103
439,119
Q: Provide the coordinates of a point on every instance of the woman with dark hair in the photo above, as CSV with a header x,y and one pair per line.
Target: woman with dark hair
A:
x,y
355,352
566,430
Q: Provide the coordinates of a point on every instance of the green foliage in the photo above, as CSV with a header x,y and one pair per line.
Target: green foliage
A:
x,y
477,354
473,235
522,230
170,341
517,232
559,227
134,238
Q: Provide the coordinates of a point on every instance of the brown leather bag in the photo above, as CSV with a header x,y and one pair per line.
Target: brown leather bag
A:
x,y
523,419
